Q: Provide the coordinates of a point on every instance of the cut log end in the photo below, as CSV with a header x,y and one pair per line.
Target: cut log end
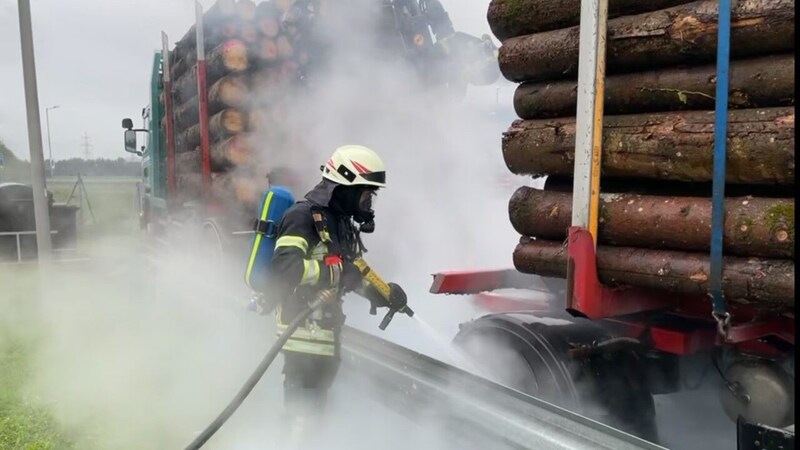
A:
x,y
234,55
233,121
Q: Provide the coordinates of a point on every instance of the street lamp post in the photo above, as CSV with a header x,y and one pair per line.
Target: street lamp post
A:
x,y
49,146
40,207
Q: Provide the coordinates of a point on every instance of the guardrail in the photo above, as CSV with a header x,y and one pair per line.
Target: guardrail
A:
x,y
18,234
475,410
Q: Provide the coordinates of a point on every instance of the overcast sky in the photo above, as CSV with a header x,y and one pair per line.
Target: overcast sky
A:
x,y
93,59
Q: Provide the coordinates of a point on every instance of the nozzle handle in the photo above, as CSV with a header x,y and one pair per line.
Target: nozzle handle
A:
x,y
390,315
386,319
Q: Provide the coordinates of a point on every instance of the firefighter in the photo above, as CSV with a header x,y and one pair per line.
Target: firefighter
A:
x,y
318,239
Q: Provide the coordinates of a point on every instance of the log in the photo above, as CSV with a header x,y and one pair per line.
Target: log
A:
x,y
228,57
237,150
663,146
234,189
285,48
266,50
268,24
234,151
246,10
221,125
752,227
510,18
268,85
219,12
228,92
249,33
769,282
283,5
190,185
754,83
184,58
186,114
685,34
644,186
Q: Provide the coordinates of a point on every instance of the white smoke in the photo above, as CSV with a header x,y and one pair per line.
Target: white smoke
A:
x,y
142,353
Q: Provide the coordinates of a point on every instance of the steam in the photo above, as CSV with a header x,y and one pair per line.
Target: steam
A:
x,y
142,349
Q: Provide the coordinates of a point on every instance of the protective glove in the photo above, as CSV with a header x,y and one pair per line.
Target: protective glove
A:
x,y
351,276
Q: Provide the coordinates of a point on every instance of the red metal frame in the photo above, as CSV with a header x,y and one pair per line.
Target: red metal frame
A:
x,y
202,98
503,303
471,282
588,297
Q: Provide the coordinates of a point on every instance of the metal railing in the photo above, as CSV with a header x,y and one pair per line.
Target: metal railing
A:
x,y
18,234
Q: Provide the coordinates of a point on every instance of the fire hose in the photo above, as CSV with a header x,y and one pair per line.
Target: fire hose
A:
x,y
319,300
212,428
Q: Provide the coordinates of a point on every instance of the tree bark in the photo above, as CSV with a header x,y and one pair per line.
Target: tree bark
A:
x,y
186,114
221,125
510,18
769,282
685,34
754,83
663,146
644,186
230,57
752,227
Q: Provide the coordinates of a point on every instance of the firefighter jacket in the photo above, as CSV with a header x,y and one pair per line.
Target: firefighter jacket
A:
x,y
300,269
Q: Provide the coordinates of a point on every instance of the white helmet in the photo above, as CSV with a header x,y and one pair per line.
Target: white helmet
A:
x,y
355,165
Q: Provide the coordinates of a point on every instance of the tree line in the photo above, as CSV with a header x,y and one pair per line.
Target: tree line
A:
x,y
18,170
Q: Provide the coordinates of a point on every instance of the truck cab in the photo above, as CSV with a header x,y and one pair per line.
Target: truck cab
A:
x,y
148,143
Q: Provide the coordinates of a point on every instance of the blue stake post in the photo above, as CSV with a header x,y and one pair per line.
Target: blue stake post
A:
x,y
720,153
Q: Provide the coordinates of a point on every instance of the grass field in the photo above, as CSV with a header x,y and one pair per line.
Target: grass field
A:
x,y
109,204
26,423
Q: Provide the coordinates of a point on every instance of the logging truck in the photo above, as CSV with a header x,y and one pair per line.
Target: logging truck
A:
x,y
665,228
217,112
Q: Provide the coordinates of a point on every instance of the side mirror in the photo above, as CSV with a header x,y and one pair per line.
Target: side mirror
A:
x,y
127,124
130,141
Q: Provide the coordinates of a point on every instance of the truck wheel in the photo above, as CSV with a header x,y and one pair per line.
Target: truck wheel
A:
x,y
214,242
532,354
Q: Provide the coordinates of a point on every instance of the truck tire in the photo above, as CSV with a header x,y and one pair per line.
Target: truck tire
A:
x,y
531,353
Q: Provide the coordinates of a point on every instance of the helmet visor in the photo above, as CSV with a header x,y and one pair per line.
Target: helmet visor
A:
x,y
375,177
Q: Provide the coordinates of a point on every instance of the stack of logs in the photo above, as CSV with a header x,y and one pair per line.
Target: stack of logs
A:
x,y
251,64
655,229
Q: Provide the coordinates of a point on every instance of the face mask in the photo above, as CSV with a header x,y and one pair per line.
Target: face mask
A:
x,y
367,200
355,201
